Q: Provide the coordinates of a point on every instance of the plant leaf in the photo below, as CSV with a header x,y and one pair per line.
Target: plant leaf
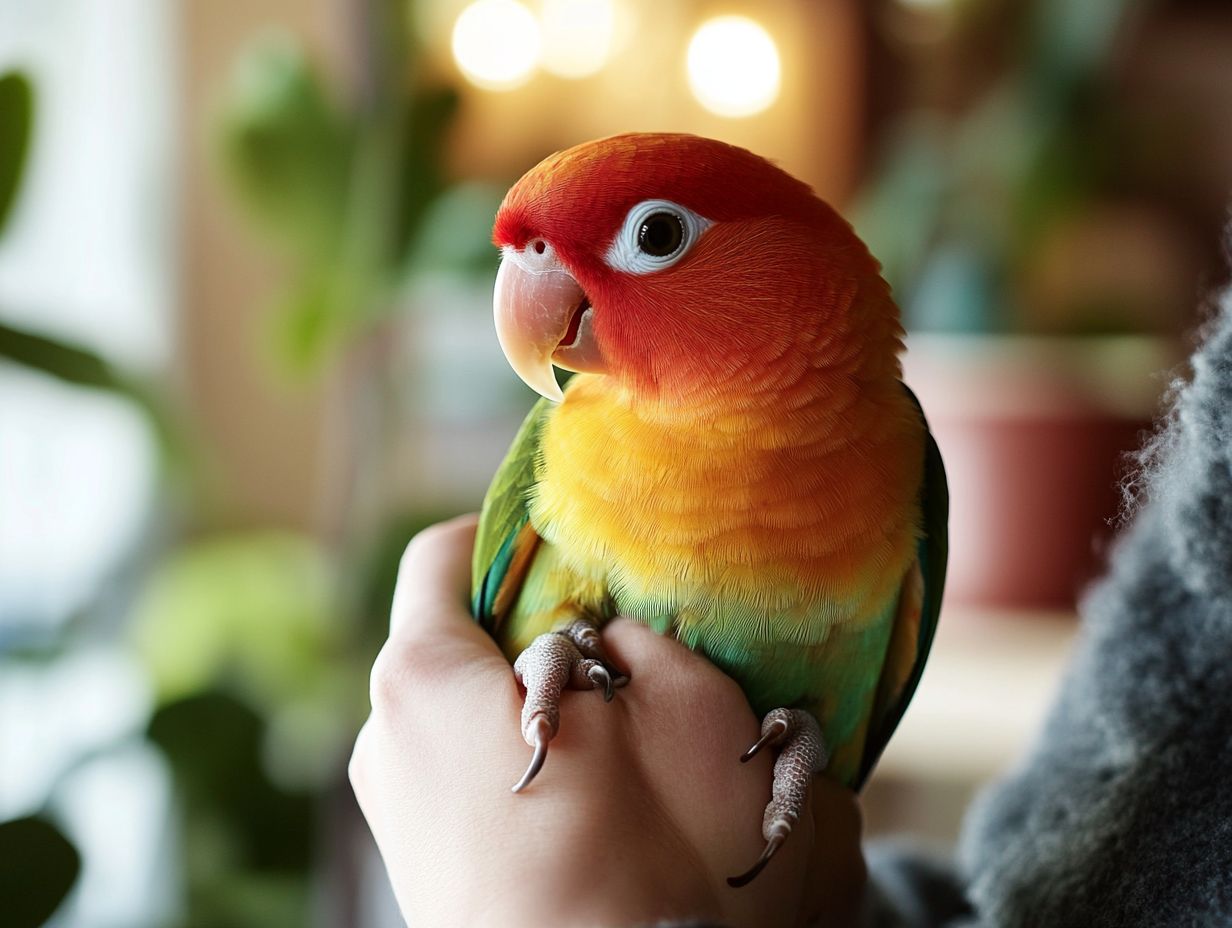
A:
x,y
64,361
40,867
16,120
82,367
286,147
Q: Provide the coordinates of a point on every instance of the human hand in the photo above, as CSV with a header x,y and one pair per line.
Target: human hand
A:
x,y
639,815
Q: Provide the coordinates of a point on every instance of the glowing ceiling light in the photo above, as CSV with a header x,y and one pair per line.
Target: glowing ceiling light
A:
x,y
577,36
733,66
496,43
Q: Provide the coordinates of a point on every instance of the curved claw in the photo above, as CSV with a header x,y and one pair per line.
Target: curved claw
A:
x,y
600,677
744,879
543,734
773,733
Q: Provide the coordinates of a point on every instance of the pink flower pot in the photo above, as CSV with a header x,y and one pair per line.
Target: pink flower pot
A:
x,y
1036,434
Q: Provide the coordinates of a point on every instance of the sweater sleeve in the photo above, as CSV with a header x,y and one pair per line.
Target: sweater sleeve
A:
x,y
1121,814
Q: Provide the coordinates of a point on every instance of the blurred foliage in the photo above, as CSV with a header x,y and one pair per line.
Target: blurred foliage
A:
x,y
77,365
249,842
56,357
258,643
455,236
959,205
342,189
256,615
254,606
287,148
16,126
40,867
40,863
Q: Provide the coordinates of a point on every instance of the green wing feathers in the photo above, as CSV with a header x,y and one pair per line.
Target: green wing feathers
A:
x,y
918,611
501,533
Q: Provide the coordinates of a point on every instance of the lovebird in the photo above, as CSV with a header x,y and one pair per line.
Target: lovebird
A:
x,y
735,462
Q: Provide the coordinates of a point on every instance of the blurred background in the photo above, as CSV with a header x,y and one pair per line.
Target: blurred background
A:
x,y
246,352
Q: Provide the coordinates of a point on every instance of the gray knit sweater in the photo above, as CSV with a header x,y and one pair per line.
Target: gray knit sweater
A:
x,y
1121,814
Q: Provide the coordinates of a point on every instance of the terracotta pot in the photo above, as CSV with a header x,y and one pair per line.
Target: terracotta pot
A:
x,y
1036,434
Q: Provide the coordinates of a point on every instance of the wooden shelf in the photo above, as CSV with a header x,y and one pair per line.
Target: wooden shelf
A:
x,y
990,680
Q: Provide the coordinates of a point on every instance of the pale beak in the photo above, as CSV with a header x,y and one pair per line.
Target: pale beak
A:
x,y
543,317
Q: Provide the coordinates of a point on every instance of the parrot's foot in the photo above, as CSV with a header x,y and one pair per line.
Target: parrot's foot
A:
x,y
802,754
572,656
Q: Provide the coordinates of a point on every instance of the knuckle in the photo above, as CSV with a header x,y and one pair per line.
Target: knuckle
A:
x,y
704,686
428,538
729,692
356,766
387,684
403,670
415,547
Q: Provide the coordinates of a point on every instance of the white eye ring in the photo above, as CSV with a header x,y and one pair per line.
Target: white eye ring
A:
x,y
626,252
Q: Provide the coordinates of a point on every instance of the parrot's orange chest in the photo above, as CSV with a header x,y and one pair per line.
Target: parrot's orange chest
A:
x,y
791,522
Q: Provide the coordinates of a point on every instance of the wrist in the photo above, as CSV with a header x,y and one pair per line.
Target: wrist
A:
x,y
593,891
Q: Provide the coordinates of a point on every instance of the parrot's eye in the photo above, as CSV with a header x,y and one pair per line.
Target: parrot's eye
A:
x,y
661,234
655,235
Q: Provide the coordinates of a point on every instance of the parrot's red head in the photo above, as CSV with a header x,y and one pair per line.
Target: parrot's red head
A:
x,y
680,265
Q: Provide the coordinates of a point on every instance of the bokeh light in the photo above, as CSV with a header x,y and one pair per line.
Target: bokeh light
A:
x,y
577,36
496,43
733,66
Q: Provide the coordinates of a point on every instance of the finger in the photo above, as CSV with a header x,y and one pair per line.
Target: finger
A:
x,y
434,642
432,597
632,642
434,571
664,667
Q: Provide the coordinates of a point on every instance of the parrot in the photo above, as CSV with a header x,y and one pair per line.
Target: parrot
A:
x,y
734,461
